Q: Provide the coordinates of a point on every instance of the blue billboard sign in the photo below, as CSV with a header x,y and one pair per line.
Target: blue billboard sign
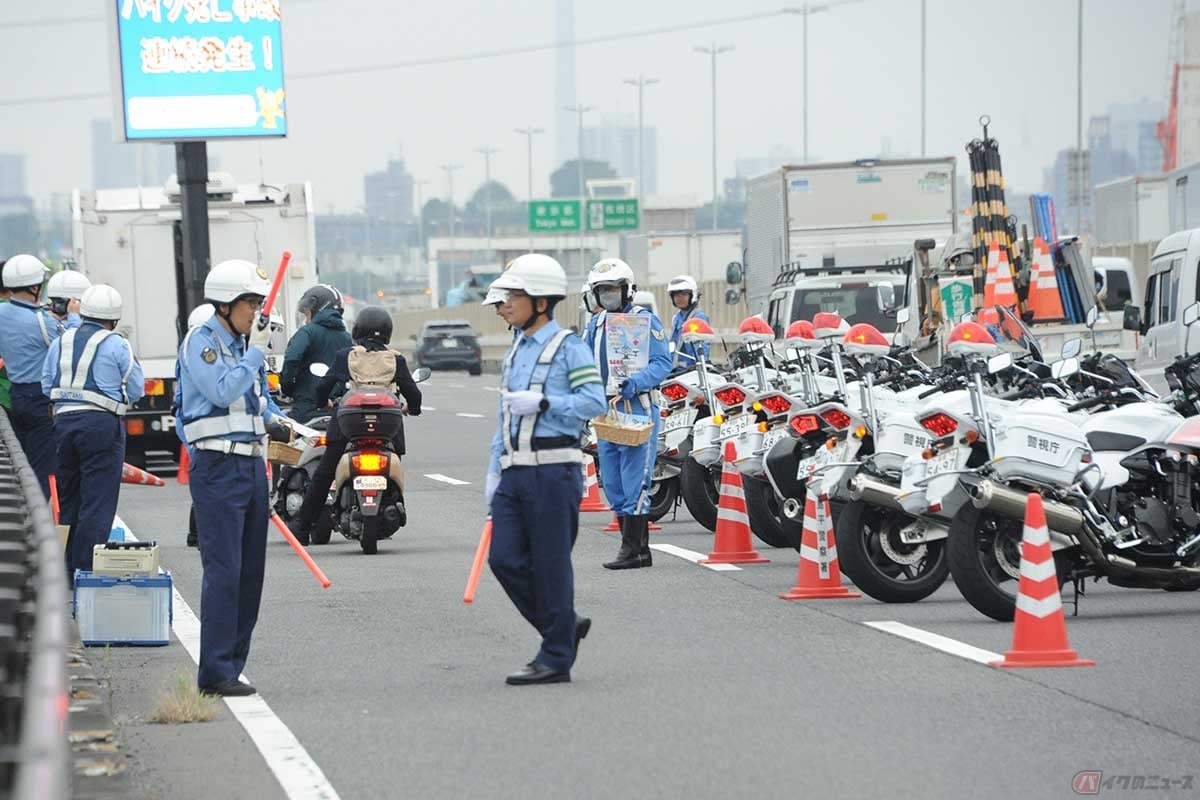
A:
x,y
199,69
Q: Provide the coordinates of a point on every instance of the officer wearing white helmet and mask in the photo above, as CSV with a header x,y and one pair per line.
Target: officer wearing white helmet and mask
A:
x,y
92,377
63,287
26,332
226,409
551,388
685,297
628,470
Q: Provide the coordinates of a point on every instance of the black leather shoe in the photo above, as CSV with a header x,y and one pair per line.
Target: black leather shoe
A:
x,y
582,626
192,541
229,689
537,673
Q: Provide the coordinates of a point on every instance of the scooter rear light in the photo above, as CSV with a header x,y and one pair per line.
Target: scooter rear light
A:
x,y
321,441
368,463
837,418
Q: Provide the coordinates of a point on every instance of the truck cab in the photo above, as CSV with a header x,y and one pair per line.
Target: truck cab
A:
x,y
1171,286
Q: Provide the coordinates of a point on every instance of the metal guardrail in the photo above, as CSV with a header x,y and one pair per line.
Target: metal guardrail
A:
x,y
34,757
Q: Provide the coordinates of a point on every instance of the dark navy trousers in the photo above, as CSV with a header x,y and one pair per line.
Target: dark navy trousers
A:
x,y
34,427
229,493
535,519
91,452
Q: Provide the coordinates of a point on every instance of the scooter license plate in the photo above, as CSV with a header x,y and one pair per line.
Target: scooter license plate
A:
x,y
370,482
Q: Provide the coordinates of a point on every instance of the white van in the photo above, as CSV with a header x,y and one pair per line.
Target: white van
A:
x,y
1170,288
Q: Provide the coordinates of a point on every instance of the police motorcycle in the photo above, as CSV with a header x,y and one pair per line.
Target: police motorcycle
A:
x,y
1119,486
684,397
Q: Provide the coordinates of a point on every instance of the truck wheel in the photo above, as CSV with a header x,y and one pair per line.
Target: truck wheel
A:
x,y
699,487
763,509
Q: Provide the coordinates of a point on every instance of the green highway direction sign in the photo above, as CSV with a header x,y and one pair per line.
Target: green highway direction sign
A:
x,y
553,216
562,216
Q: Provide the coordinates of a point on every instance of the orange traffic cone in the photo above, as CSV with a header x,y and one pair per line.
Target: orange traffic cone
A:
x,y
592,501
1039,630
185,465
131,474
615,526
999,289
818,576
54,498
1044,298
731,545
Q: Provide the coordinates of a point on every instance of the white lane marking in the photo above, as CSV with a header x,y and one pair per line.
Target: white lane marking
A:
x,y
447,479
495,389
297,773
427,408
456,386
945,644
694,557
469,416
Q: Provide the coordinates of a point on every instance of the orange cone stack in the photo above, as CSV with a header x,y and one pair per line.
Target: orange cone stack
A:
x,y
999,289
731,544
1040,629
1044,298
131,474
818,577
185,464
592,501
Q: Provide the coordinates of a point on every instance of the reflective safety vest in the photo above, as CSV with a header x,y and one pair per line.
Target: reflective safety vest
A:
x,y
523,455
243,415
75,387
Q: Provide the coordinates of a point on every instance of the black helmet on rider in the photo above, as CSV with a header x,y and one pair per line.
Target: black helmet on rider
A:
x,y
319,298
372,324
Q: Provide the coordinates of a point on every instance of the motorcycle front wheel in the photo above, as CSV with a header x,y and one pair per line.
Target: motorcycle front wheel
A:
x,y
873,555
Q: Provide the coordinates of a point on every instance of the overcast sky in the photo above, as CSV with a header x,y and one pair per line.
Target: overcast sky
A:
x,y
1013,60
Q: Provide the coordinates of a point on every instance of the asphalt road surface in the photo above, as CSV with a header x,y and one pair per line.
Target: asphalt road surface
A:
x,y
693,683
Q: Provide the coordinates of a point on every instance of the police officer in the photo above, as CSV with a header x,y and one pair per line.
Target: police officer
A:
x,y
627,471
91,376
200,315
5,384
551,388
26,333
318,342
63,287
226,410
685,297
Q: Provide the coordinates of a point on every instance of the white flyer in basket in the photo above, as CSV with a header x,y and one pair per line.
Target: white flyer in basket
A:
x,y
627,339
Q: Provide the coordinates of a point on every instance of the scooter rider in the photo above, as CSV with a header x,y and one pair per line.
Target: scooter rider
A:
x,y
226,410
551,388
91,376
685,297
26,333
373,333
317,342
627,471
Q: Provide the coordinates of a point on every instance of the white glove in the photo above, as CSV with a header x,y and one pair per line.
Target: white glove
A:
x,y
523,403
489,489
260,338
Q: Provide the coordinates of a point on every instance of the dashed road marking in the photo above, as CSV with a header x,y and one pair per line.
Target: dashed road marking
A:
x,y
297,773
694,557
456,386
943,643
447,479
469,416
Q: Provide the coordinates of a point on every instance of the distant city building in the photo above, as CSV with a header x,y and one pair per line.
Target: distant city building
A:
x,y
1132,127
615,141
12,174
116,165
777,156
388,195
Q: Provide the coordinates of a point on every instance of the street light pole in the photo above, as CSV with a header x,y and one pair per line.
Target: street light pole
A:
x,y
417,184
1079,125
713,50
922,79
450,169
529,133
641,82
487,153
806,11
581,109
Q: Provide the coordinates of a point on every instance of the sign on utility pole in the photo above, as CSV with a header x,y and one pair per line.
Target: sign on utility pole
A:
x,y
554,216
613,215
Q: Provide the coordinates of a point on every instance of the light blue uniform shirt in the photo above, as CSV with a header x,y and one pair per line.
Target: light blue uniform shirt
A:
x,y
572,386
688,352
207,387
113,357
660,353
22,345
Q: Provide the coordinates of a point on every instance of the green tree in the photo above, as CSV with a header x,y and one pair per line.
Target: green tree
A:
x,y
564,181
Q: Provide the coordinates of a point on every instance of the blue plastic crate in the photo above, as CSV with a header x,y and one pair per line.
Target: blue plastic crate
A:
x,y
135,612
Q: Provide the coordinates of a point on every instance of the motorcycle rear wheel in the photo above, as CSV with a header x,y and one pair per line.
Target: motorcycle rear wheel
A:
x,y
370,535
663,494
764,509
700,486
868,544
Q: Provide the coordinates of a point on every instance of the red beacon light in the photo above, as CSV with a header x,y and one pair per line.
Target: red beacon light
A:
x,y
755,329
800,335
865,340
971,338
697,330
827,325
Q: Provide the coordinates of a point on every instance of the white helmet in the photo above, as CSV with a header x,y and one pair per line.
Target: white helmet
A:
x,y
684,283
586,301
610,272
235,278
23,271
100,302
494,297
535,274
67,284
200,315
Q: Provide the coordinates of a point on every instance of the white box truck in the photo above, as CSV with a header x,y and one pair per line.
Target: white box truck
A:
x,y
132,240
1133,209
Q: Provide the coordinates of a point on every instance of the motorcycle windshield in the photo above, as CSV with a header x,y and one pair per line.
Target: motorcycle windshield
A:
x,y
1014,335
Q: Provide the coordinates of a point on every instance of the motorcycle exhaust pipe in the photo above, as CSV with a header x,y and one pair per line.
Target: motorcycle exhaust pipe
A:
x,y
793,509
877,493
1010,503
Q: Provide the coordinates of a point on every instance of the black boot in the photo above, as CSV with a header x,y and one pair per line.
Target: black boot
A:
x,y
644,541
627,556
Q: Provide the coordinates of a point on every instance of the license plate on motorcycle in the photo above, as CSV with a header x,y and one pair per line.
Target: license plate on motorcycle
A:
x,y
770,438
823,456
680,419
945,461
370,482
737,425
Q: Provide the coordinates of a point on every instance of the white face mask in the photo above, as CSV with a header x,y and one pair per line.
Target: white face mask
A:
x,y
610,298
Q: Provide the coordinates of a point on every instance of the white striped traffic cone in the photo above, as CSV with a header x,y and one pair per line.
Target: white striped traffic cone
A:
x,y
731,544
818,577
592,501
